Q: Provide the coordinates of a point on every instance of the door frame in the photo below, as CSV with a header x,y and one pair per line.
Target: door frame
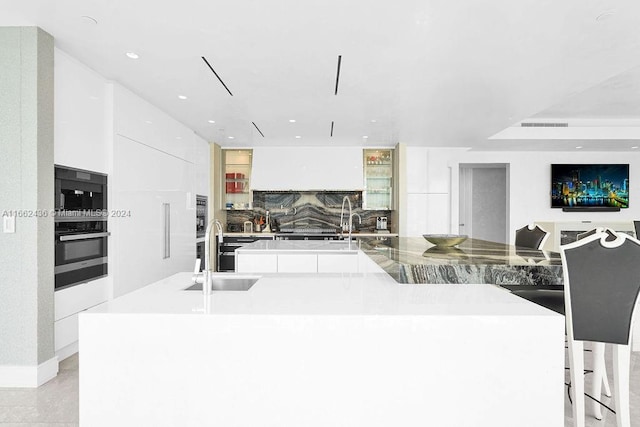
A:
x,y
464,193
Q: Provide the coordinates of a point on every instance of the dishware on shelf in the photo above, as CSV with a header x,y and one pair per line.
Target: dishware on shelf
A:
x,y
445,240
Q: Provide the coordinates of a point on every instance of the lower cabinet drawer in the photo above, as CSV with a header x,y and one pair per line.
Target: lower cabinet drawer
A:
x,y
66,331
256,263
298,263
337,263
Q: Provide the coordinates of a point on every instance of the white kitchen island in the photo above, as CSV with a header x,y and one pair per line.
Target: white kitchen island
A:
x,y
303,256
321,350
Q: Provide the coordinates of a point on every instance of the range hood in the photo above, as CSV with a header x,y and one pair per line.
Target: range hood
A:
x,y
307,169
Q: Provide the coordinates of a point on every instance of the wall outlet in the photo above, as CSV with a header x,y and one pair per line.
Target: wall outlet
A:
x,y
8,224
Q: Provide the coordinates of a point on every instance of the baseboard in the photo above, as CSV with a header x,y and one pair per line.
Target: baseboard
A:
x,y
67,351
28,376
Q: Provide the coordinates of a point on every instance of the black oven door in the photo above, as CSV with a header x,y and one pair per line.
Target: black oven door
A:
x,y
80,257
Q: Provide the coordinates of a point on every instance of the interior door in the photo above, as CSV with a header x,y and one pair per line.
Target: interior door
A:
x,y
484,202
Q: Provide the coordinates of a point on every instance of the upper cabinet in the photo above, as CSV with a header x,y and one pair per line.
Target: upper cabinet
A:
x,y
378,179
236,180
307,168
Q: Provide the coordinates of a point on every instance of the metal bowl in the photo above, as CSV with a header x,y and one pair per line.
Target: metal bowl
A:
x,y
445,240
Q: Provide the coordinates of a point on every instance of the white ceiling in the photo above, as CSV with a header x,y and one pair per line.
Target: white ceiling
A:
x,y
429,72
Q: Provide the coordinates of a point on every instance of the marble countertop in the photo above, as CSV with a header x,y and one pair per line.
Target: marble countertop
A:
x,y
272,235
314,295
414,260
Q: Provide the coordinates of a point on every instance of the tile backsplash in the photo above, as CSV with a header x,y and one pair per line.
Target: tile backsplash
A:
x,y
307,210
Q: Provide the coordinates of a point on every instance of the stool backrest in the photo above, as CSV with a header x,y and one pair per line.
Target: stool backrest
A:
x,y
601,285
531,237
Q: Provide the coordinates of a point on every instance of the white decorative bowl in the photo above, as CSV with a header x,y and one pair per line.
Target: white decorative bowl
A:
x,y
445,240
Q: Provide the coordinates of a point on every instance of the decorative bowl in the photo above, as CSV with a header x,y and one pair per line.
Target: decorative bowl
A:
x,y
445,240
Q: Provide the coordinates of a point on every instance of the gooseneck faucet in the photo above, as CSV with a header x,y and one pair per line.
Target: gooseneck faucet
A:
x,y
359,217
346,199
206,276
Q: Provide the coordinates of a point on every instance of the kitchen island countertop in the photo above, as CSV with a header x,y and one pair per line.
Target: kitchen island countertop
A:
x,y
318,350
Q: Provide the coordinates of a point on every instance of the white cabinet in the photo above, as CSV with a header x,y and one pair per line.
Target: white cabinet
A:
x,y
143,122
417,173
68,303
80,116
156,238
297,263
417,219
264,263
202,161
428,214
302,262
307,168
338,263
428,196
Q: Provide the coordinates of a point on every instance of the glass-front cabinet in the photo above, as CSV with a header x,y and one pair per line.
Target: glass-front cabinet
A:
x,y
237,179
378,179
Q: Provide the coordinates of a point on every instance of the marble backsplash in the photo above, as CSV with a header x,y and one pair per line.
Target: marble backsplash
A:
x,y
307,210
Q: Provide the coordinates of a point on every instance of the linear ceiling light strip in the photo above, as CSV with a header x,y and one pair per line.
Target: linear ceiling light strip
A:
x,y
332,128
257,128
216,74
338,73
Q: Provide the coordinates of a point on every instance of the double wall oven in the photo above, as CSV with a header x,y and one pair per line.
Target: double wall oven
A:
x,y
80,226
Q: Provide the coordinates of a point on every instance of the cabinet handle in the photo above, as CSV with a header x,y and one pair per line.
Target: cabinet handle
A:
x,y
167,230
84,236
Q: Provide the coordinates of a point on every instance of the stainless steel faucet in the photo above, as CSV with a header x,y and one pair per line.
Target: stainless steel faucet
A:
x,y
359,217
346,199
206,276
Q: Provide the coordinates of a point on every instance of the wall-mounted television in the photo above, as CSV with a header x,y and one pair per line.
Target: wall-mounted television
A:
x,y
589,186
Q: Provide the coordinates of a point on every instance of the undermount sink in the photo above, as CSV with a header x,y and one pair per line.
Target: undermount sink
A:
x,y
228,284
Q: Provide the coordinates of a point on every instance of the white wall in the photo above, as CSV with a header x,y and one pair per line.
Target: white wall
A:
x,y
529,184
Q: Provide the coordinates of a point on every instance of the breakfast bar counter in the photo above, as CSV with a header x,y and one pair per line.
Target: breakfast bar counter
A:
x,y
320,350
414,260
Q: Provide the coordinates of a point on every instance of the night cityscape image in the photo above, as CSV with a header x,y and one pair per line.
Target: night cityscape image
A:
x,y
590,185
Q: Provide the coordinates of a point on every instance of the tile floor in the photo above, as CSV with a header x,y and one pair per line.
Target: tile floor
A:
x,y
52,404
56,402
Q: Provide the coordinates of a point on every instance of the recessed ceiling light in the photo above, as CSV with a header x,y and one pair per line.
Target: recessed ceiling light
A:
x,y
132,55
292,120
373,120
211,121
365,137
182,97
298,137
178,137
231,137
148,122
634,147
89,20
579,147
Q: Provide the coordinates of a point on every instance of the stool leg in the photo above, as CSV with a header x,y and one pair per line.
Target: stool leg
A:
x,y
621,361
598,371
576,368
605,379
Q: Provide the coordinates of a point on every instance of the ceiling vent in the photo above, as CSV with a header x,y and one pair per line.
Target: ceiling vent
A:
x,y
544,125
